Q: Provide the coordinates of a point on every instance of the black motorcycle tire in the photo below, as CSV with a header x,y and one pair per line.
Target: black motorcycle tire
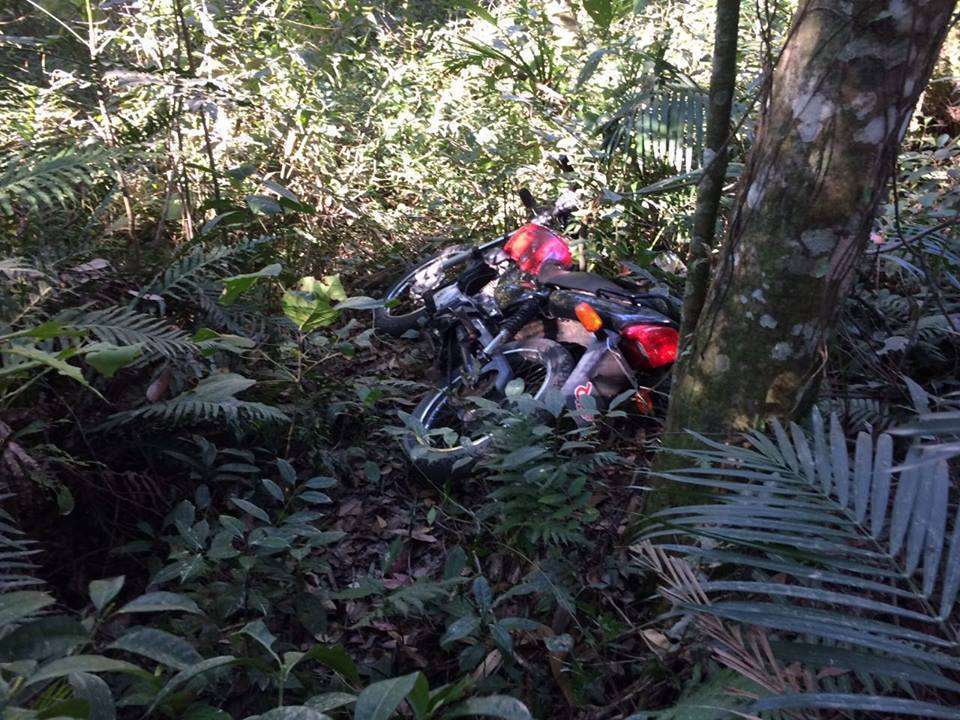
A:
x,y
394,323
441,464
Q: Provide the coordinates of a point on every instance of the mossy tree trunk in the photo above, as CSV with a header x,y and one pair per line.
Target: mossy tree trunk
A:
x,y
841,98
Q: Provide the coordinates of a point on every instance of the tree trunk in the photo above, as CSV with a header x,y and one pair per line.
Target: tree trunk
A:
x,y
841,99
722,85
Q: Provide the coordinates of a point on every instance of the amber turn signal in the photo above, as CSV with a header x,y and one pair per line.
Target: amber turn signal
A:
x,y
588,317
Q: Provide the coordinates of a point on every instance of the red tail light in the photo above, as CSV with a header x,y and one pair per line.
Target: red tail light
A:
x,y
650,346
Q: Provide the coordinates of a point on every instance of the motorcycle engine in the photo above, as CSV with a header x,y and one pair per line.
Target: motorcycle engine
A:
x,y
511,288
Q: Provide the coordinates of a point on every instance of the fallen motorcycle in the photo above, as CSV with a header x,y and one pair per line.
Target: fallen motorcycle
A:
x,y
511,309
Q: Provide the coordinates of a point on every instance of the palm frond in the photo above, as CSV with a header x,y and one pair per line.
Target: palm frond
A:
x,y
120,325
665,124
184,278
213,399
852,562
49,181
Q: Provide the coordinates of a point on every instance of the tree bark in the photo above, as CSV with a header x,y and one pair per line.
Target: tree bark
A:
x,y
715,158
841,98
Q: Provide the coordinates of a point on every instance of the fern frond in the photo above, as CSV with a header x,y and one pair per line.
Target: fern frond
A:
x,y
15,553
212,400
841,552
51,181
184,278
120,325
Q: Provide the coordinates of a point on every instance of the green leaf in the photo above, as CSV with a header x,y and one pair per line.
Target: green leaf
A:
x,y
103,591
310,306
331,701
338,660
250,508
21,604
460,629
455,563
381,699
81,663
45,637
96,693
501,706
482,594
161,602
188,674
258,631
601,11
885,706
315,498
70,708
107,358
271,487
235,286
158,645
501,636
419,698
294,712
35,356
263,205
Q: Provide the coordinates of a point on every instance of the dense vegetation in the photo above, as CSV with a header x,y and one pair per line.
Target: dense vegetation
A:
x,y
206,513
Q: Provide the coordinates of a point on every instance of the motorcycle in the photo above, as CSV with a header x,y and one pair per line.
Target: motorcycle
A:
x,y
511,309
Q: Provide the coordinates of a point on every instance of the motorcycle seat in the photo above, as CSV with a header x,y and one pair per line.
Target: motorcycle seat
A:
x,y
555,275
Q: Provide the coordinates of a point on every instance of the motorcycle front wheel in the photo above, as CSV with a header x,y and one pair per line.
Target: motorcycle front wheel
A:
x,y
542,364
405,305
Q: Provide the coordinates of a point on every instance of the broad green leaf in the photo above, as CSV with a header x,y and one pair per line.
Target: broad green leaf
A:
x,y
338,660
103,591
263,205
45,637
276,492
96,693
21,604
460,629
47,331
209,341
482,594
205,712
107,358
258,631
331,701
294,712
235,286
381,699
501,637
161,601
600,11
188,674
250,508
419,698
158,645
307,311
500,706
35,356
81,664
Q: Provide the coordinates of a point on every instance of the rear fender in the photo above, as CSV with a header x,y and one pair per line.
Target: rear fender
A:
x,y
596,376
